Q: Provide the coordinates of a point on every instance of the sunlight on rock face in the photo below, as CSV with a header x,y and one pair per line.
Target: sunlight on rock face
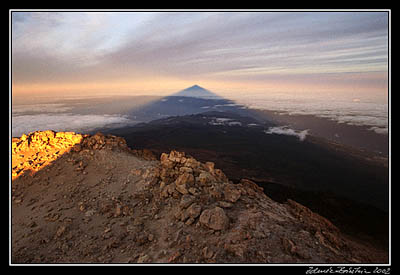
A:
x,y
36,150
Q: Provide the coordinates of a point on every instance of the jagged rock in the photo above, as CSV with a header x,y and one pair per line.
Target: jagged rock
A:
x,y
175,156
288,246
37,149
231,193
215,191
185,178
184,169
181,189
210,166
225,204
194,210
183,181
220,175
205,178
214,218
186,200
235,249
60,231
192,163
143,259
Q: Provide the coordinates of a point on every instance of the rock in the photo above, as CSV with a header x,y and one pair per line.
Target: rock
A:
x,y
192,163
251,187
182,181
186,200
23,137
174,256
205,178
181,189
176,156
185,178
163,157
184,169
60,231
89,213
166,163
215,192
194,210
313,220
190,221
231,193
143,259
214,218
118,211
225,204
220,175
288,246
210,166
235,249
48,146
207,253
193,191
77,148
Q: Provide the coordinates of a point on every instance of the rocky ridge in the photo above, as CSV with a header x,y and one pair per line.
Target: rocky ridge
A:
x,y
98,201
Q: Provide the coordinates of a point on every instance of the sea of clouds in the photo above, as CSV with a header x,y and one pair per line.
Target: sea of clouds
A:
x,y
359,111
23,124
352,110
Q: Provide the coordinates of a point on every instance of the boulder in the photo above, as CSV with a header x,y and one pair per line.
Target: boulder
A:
x,y
215,218
231,193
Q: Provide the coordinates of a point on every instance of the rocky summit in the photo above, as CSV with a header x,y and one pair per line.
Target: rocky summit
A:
x,y
91,199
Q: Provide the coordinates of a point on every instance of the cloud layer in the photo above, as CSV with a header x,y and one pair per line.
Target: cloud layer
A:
x,y
64,122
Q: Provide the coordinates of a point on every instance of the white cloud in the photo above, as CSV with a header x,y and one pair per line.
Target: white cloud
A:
x,y
64,122
368,111
379,130
284,130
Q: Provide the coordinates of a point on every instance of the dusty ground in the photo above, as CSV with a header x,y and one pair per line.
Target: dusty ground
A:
x,y
97,201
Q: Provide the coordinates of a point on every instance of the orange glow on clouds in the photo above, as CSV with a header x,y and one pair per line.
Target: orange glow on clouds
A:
x,y
374,82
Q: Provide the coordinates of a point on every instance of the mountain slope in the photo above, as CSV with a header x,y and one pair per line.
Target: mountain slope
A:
x,y
101,201
348,186
243,142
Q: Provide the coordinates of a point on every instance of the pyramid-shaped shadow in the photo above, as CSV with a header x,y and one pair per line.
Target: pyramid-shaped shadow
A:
x,y
192,100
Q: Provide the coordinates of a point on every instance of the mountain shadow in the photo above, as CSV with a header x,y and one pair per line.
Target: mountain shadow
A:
x,y
346,185
192,100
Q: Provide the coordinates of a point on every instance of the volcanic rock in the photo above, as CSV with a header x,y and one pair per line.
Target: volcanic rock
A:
x,y
214,218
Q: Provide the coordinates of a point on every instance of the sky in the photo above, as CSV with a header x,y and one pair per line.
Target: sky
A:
x,y
297,53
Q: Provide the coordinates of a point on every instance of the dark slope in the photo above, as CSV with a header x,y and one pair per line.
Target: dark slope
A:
x,y
346,185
